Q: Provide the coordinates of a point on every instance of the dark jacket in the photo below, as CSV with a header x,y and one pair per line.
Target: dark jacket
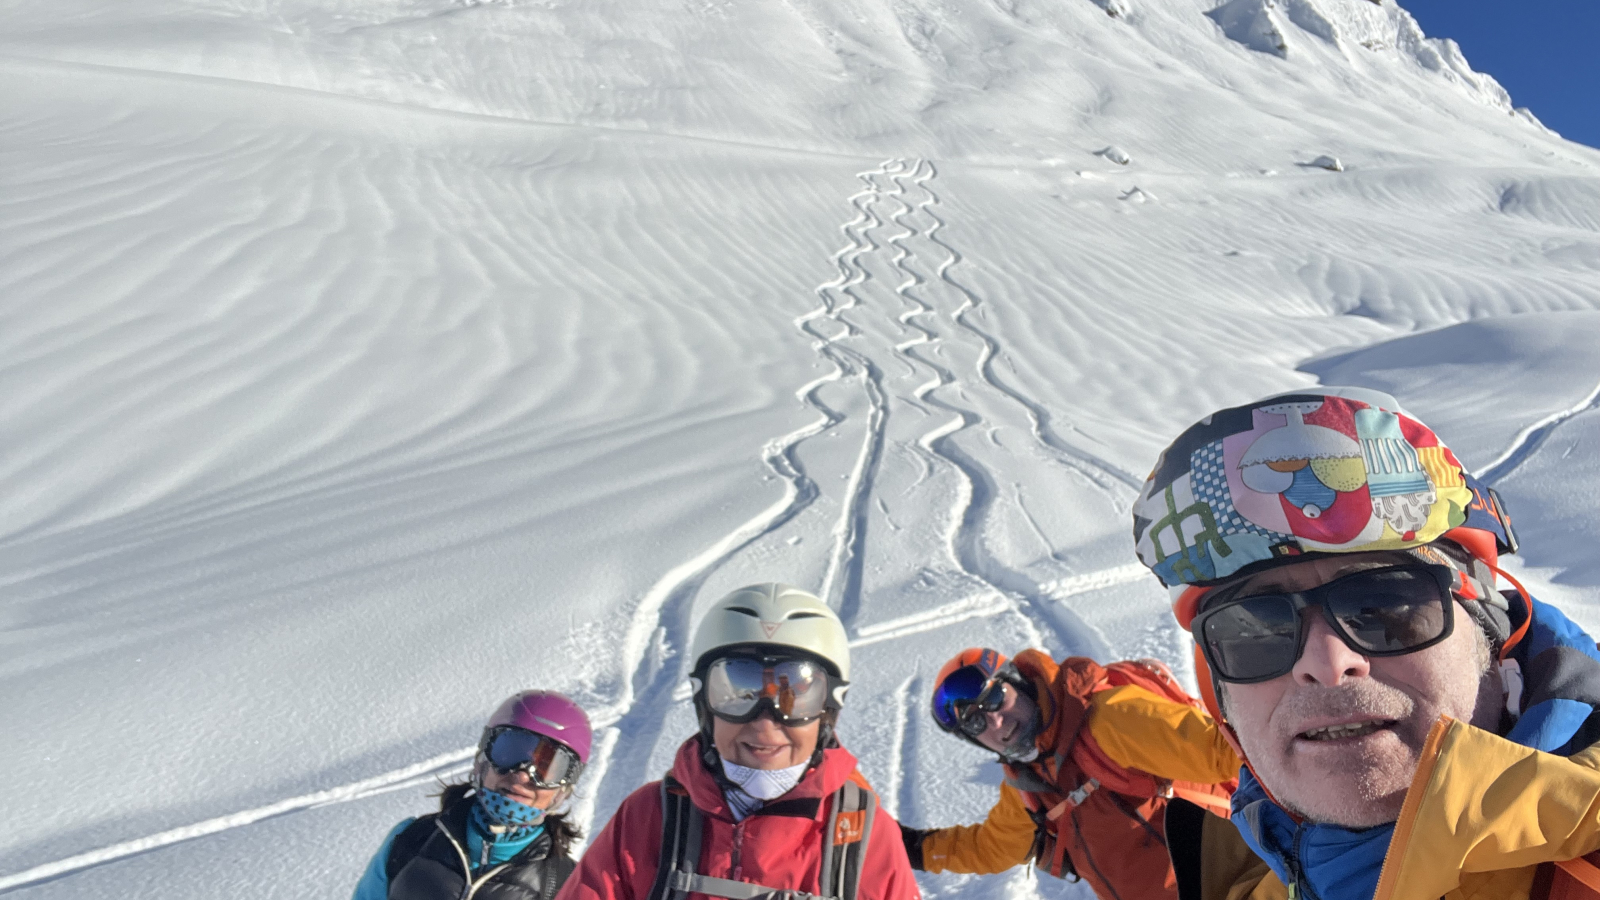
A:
x,y
428,861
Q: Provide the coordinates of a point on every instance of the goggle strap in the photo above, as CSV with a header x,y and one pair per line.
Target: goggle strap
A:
x,y
1521,631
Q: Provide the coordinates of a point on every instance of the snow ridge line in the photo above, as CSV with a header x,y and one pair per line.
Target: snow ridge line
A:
x,y
1530,439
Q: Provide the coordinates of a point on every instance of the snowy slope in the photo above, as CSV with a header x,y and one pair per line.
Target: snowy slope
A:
x,y
366,361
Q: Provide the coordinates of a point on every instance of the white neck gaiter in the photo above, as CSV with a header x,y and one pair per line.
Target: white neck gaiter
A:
x,y
753,787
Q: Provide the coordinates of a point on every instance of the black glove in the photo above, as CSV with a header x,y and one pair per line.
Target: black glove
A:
x,y
913,841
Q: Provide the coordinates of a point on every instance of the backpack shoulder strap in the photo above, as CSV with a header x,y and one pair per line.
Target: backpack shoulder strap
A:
x,y
1571,879
558,867
845,838
407,844
681,828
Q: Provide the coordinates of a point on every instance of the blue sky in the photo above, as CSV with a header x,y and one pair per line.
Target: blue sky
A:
x,y
1545,52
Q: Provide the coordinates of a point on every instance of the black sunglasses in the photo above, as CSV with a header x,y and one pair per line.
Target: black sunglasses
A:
x,y
1377,612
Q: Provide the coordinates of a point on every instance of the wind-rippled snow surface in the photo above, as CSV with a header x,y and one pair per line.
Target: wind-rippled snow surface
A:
x,y
363,362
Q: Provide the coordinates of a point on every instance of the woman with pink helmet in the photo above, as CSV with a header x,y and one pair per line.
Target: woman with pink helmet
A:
x,y
494,836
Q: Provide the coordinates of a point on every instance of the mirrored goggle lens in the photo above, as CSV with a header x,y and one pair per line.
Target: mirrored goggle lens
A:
x,y
549,763
797,690
961,687
975,715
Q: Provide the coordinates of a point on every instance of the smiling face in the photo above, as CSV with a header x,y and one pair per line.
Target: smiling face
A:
x,y
762,743
1011,725
1338,738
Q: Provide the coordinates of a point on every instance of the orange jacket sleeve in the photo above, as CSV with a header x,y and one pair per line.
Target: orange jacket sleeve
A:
x,y
1169,740
998,843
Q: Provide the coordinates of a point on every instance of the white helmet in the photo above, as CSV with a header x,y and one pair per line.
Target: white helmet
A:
x,y
774,615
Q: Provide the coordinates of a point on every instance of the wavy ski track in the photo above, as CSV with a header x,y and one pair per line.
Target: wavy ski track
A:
x,y
660,620
949,393
1102,472
1530,439
842,583
658,623
664,616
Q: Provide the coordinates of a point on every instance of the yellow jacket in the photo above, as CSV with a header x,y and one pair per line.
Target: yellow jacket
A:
x,y
1137,730
1480,816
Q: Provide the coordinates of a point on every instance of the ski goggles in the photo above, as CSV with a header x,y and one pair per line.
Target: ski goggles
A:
x,y
965,698
739,688
1377,612
547,762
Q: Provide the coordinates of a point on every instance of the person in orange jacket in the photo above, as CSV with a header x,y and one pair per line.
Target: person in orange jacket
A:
x,y
1415,725
1091,754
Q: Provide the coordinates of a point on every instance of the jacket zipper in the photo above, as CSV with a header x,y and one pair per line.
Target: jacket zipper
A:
x,y
738,849
1431,749
1297,874
470,886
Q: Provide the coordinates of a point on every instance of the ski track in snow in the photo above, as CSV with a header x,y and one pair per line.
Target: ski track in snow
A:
x,y
896,194
892,792
842,584
1530,439
950,393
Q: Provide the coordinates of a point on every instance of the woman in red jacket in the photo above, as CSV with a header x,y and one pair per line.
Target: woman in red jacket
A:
x,y
763,800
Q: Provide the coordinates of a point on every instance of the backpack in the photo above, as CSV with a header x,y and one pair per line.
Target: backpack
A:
x,y
1572,879
850,815
1088,809
1101,771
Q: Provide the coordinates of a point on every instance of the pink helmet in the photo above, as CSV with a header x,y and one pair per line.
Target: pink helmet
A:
x,y
547,713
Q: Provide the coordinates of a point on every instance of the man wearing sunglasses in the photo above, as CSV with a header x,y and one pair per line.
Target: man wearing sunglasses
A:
x,y
1091,754
1388,685
762,803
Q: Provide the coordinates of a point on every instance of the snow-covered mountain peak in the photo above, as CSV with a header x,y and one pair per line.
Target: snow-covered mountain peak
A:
x,y
1350,26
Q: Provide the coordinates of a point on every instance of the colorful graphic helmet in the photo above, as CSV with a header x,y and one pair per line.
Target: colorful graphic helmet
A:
x,y
547,713
1331,470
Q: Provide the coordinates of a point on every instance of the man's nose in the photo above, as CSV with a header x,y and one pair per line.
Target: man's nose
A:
x,y
996,722
1327,660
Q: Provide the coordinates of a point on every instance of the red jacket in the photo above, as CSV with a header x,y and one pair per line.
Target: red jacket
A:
x,y
779,846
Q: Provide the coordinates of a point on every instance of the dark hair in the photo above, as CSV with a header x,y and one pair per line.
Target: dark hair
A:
x,y
564,835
